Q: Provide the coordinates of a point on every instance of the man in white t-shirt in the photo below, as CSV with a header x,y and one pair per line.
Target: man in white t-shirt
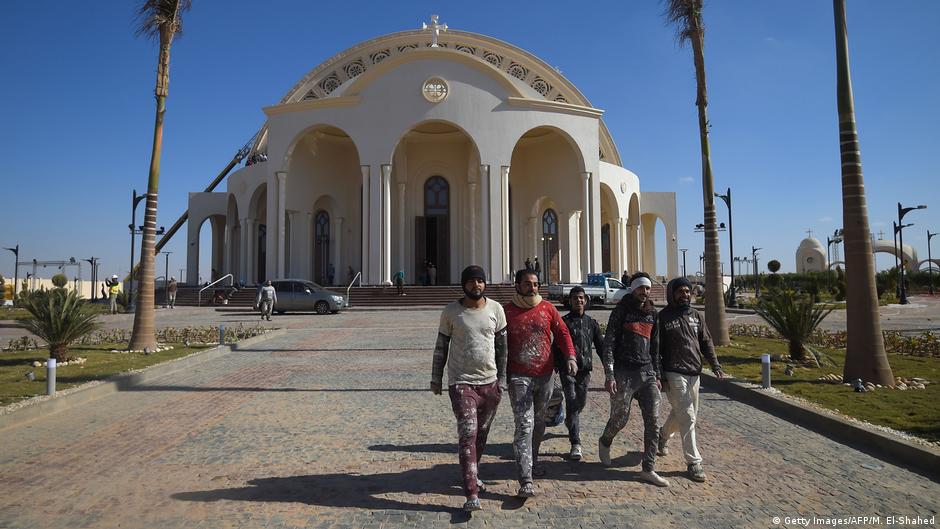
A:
x,y
471,341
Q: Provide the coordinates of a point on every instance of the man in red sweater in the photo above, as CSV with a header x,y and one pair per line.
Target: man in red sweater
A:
x,y
531,323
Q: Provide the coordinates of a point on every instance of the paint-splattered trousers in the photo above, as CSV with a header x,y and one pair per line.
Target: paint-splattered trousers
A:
x,y
576,389
529,397
683,397
639,385
267,306
475,407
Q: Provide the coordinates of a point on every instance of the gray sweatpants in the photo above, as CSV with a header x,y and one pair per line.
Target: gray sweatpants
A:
x,y
529,397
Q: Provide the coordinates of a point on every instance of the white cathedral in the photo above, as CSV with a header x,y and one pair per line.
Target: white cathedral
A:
x,y
431,145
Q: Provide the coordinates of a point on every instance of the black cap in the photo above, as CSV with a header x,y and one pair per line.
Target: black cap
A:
x,y
472,272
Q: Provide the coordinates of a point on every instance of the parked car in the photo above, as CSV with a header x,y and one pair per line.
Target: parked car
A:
x,y
599,289
299,295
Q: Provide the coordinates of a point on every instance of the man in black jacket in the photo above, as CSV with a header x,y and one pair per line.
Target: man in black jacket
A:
x,y
683,342
584,332
632,370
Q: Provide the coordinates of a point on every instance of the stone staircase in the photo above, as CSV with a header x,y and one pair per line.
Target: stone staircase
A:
x,y
369,296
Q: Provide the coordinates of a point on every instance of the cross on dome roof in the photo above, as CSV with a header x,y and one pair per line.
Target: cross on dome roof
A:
x,y
435,30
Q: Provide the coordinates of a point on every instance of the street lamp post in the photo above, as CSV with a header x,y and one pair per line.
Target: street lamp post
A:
x,y
93,261
16,268
901,212
683,250
135,199
754,250
166,278
897,265
835,239
732,301
930,260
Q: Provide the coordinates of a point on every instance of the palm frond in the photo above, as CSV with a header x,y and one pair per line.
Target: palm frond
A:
x,y
793,316
687,17
58,317
155,16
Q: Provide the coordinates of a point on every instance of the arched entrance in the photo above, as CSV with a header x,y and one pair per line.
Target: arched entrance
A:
x,y
550,246
432,231
605,248
321,247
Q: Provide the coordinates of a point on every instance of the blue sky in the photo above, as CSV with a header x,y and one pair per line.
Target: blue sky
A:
x,y
77,107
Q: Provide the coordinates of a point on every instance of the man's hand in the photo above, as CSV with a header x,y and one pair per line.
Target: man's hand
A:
x,y
719,374
436,388
572,367
611,386
659,385
664,385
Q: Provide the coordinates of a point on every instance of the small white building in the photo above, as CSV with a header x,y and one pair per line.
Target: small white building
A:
x,y
449,147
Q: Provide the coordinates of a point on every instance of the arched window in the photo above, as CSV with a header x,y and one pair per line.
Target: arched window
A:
x,y
436,197
321,241
549,267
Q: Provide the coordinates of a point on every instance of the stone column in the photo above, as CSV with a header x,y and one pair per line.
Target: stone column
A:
x,y
386,194
244,253
504,216
401,226
280,221
366,222
472,186
615,253
308,244
226,250
569,231
339,262
585,247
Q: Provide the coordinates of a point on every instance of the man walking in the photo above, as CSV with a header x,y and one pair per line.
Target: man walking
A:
x,y
683,342
531,325
266,300
584,332
171,292
471,341
632,369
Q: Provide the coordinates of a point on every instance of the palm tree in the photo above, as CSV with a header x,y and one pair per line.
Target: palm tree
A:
x,y
687,16
865,356
158,19
59,317
795,317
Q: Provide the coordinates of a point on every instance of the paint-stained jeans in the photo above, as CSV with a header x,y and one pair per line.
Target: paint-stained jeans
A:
x,y
683,397
639,385
171,299
475,407
576,388
529,397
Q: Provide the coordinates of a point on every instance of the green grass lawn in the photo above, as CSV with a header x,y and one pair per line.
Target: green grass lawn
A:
x,y
916,412
101,363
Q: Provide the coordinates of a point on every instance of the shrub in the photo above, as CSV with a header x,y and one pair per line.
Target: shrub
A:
x,y
59,317
793,316
60,280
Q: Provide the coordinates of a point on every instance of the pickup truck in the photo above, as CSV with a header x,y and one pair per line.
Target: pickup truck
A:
x,y
599,290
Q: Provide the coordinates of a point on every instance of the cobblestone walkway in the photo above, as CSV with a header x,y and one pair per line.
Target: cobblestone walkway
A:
x,y
331,426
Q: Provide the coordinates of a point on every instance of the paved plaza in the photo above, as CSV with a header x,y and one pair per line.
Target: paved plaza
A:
x,y
330,425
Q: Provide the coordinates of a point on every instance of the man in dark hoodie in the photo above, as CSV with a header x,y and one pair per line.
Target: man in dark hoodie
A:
x,y
632,369
585,332
683,342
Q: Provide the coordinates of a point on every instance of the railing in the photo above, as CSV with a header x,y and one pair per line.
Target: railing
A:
x,y
210,285
359,277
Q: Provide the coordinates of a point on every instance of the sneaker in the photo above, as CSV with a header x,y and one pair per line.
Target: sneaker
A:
x,y
661,448
473,504
576,453
603,452
696,472
481,487
526,491
654,478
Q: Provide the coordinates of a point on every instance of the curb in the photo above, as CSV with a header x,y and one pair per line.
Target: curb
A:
x,y
45,406
920,459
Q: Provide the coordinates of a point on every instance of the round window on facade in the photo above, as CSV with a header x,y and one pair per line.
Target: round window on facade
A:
x,y
434,90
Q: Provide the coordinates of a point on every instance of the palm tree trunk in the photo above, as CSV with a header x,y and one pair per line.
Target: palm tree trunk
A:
x,y
865,356
715,318
144,333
